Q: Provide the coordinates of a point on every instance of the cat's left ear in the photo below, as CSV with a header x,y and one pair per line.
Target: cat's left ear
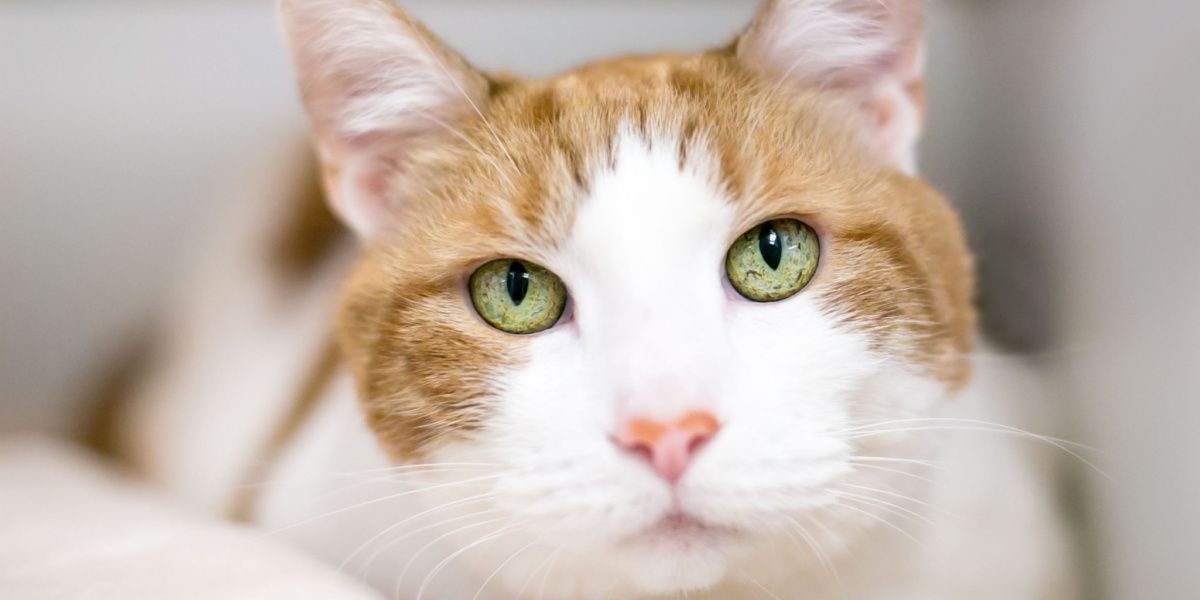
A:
x,y
871,49
376,85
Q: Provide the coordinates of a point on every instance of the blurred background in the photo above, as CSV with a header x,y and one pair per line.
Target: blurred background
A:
x,y
1067,132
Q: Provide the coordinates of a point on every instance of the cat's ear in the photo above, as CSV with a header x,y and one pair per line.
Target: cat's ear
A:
x,y
869,48
375,83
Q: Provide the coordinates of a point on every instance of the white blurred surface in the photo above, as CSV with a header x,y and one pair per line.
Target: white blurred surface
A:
x,y
1066,131
71,527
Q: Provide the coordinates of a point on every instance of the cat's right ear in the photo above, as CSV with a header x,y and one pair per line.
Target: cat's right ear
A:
x,y
868,49
374,83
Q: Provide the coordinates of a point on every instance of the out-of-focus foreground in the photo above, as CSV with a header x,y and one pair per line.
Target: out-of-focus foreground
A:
x,y
1065,131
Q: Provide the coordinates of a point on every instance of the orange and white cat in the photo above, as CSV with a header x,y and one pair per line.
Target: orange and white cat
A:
x,y
683,325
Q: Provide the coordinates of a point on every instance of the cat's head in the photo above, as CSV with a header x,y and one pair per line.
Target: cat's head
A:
x,y
659,294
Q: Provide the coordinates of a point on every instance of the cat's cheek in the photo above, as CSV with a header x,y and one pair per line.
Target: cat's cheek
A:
x,y
547,433
791,374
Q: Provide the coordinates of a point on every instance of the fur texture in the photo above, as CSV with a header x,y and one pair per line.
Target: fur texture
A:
x,y
629,179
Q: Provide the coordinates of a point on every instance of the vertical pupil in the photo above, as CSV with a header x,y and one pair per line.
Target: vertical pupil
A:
x,y
770,246
518,282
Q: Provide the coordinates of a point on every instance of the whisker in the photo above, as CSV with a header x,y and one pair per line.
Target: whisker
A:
x,y
388,479
990,428
905,498
545,564
409,519
977,422
830,536
760,586
444,522
382,499
408,565
446,73
416,469
908,461
546,575
882,520
503,531
894,471
819,552
501,567
890,507
460,135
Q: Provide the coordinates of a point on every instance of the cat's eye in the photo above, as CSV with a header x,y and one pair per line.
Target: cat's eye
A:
x,y
517,296
774,260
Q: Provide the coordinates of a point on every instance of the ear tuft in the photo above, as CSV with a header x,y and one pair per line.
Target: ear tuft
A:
x,y
869,48
373,81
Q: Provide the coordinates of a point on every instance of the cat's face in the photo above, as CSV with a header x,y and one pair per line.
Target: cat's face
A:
x,y
631,182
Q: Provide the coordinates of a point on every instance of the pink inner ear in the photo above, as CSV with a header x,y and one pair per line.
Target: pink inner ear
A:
x,y
895,107
881,110
373,82
868,49
864,76
357,192
894,113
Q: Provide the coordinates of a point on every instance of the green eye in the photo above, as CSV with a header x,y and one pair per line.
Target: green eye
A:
x,y
773,261
517,297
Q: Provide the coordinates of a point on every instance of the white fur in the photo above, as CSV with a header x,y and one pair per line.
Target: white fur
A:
x,y
655,331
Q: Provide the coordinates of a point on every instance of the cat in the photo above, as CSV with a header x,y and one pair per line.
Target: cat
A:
x,y
670,325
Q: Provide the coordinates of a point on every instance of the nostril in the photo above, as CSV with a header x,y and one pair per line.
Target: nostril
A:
x,y
639,449
667,448
698,443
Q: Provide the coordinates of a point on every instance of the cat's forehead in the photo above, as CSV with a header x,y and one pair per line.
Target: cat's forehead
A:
x,y
522,172
651,220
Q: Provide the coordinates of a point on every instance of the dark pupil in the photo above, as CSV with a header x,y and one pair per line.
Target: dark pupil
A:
x,y
518,282
770,246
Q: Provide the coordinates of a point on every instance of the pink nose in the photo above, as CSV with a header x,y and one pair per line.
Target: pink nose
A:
x,y
668,447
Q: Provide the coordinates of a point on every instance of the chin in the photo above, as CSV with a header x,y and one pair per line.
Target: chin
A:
x,y
678,554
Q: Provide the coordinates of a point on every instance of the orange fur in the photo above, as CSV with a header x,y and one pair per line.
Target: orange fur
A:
x,y
896,265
